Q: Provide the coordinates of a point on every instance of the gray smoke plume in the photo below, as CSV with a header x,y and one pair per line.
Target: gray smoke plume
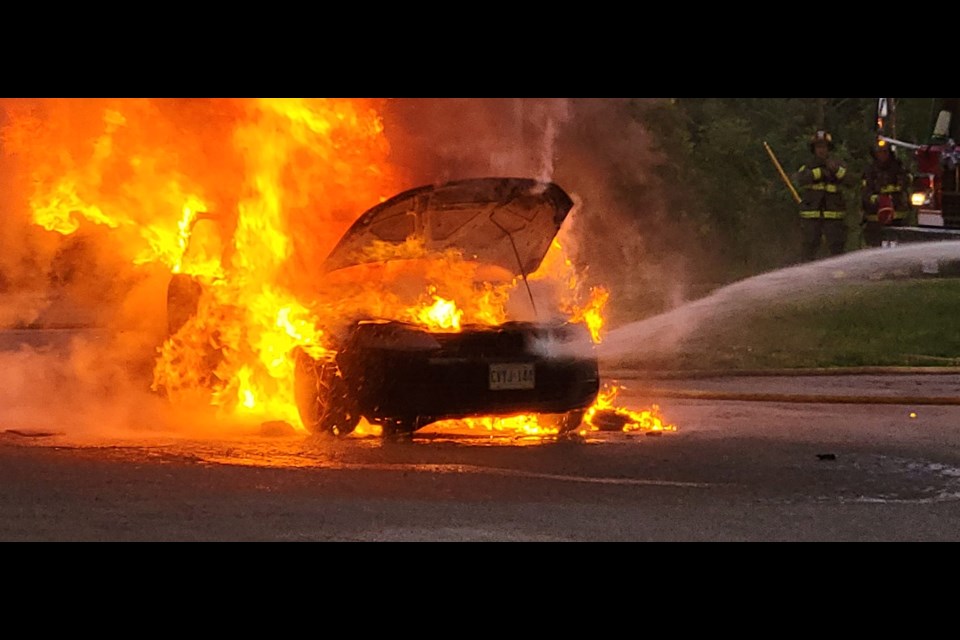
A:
x,y
593,148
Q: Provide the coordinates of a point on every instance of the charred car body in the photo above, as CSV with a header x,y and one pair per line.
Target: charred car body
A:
x,y
403,376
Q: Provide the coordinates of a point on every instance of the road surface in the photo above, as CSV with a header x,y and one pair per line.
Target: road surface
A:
x,y
733,471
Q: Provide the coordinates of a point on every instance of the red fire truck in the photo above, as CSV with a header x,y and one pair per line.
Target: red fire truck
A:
x,y
936,185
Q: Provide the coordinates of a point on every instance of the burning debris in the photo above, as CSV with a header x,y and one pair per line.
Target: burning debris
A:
x,y
605,416
247,197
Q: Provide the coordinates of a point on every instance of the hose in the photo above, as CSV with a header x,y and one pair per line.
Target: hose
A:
x,y
690,394
694,394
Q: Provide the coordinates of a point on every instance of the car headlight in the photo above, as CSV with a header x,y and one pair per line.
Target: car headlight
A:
x,y
919,198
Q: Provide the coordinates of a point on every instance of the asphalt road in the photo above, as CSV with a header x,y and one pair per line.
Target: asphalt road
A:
x,y
733,471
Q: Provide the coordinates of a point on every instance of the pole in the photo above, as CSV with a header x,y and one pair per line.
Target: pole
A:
x,y
783,175
892,102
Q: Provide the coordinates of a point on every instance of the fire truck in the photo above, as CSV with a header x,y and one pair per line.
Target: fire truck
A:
x,y
935,192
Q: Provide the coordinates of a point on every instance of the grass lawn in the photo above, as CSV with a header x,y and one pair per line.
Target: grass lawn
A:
x,y
910,322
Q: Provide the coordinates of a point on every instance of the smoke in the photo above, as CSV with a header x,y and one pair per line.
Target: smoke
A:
x,y
70,156
436,140
85,369
73,351
25,252
80,322
621,234
626,232
80,385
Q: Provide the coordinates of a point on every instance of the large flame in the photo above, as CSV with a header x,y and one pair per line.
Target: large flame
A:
x,y
248,196
441,315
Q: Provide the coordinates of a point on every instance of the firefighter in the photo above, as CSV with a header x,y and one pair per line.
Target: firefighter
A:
x,y
823,204
884,197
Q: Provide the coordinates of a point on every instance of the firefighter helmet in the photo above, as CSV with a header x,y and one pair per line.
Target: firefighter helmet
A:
x,y
821,136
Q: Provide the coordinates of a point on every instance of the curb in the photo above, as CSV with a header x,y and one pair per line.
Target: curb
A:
x,y
642,374
697,394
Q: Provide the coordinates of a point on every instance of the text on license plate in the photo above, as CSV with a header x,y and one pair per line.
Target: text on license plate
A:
x,y
512,376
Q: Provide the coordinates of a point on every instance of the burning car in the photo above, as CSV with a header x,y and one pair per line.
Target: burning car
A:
x,y
403,375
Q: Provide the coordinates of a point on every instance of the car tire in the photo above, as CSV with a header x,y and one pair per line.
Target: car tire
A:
x,y
322,398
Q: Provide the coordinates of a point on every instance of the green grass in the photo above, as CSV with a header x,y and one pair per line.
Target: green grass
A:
x,y
891,323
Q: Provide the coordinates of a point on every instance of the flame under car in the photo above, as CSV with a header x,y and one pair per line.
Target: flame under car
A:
x,y
404,376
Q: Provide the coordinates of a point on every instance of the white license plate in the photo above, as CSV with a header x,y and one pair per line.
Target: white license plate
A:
x,y
512,376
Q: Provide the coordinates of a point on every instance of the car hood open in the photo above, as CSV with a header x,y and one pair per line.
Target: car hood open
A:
x,y
508,222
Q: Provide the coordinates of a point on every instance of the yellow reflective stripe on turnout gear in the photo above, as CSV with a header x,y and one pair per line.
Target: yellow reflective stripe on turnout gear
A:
x,y
829,215
890,188
822,186
842,171
817,173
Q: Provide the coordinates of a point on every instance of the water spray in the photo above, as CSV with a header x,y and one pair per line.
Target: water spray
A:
x,y
659,334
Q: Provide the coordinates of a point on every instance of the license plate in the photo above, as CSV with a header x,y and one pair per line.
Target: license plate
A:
x,y
511,376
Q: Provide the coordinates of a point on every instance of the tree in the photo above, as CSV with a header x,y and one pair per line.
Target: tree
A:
x,y
716,157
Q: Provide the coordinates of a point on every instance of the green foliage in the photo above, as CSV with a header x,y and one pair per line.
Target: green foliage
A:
x,y
872,324
866,324
915,118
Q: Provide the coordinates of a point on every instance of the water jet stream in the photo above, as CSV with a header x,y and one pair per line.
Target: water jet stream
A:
x,y
660,334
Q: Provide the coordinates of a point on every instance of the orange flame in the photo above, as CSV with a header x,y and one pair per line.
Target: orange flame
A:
x,y
558,267
442,314
592,313
648,420
270,171
278,180
526,424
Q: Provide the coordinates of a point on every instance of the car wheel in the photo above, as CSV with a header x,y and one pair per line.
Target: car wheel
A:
x,y
322,398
